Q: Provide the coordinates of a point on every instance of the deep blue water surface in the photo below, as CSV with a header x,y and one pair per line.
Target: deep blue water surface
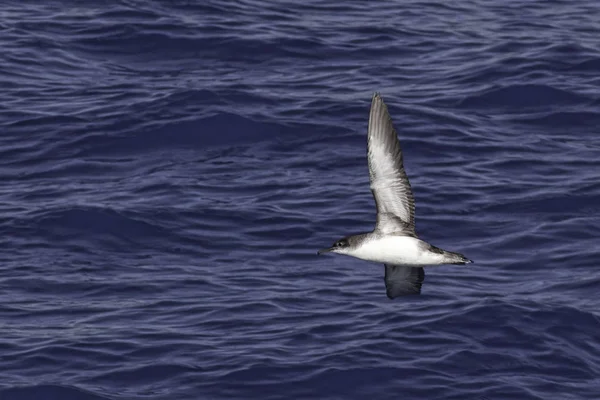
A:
x,y
168,170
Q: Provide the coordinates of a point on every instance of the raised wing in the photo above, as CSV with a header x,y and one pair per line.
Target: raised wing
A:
x,y
389,183
402,281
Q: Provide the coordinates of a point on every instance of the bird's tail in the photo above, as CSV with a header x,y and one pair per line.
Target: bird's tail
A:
x,y
456,258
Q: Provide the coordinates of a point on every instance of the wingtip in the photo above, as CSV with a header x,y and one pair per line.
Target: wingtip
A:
x,y
377,100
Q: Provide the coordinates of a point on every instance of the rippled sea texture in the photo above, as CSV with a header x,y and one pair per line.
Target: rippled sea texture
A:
x,y
168,171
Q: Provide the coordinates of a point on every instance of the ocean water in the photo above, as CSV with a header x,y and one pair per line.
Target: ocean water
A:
x,y
168,170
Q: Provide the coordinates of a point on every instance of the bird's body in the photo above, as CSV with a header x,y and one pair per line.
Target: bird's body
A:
x,y
397,250
394,241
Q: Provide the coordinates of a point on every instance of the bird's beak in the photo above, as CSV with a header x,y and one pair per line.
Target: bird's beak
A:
x,y
322,251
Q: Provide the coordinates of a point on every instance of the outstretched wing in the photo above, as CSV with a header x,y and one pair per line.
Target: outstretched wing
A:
x,y
389,183
402,281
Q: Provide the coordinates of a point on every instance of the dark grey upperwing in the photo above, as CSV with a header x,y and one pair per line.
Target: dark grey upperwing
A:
x,y
389,182
403,281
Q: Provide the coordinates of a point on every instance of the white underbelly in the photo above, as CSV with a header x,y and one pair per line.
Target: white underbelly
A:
x,y
396,250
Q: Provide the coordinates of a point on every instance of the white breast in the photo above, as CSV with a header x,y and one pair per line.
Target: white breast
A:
x,y
395,250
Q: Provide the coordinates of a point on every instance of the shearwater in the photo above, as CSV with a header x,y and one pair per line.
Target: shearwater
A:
x,y
393,242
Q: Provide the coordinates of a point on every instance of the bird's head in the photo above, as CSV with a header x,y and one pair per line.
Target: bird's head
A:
x,y
341,246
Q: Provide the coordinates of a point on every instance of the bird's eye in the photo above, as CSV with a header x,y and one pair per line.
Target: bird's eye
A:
x,y
340,244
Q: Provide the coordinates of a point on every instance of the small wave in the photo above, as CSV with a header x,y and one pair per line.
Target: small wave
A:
x,y
91,227
37,121
562,119
518,96
139,43
49,392
591,65
221,129
96,221
146,374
